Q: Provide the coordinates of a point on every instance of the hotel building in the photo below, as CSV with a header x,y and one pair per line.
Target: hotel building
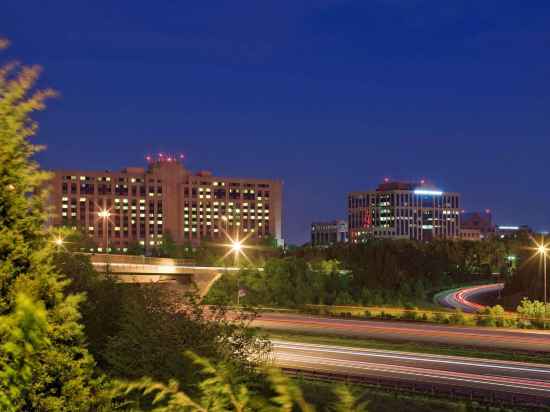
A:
x,y
404,211
329,233
144,204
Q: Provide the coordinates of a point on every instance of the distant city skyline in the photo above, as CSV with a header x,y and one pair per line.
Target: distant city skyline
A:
x,y
330,99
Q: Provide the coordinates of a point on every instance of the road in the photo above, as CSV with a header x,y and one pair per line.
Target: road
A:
x,y
477,375
512,339
464,299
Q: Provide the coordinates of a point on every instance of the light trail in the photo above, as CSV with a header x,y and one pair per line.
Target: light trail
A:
x,y
476,374
510,339
408,356
461,299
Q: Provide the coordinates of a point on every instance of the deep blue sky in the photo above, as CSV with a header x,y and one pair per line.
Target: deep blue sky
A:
x,y
329,96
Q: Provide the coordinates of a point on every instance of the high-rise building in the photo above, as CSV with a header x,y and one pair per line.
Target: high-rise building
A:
x,y
143,204
404,210
329,233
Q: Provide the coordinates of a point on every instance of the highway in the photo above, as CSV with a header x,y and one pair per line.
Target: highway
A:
x,y
511,339
464,299
475,375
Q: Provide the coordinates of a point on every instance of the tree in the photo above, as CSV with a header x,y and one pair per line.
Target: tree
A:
x,y
135,248
168,248
61,371
101,310
158,322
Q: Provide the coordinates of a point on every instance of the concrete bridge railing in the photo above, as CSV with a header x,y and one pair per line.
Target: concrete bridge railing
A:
x,y
141,269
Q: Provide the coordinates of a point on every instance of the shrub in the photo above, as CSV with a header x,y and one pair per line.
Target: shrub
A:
x,y
534,313
411,314
492,316
457,318
439,317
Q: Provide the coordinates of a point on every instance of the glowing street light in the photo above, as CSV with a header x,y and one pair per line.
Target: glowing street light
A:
x,y
58,241
236,246
105,215
542,250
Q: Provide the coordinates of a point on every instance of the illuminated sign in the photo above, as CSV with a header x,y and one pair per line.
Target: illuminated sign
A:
x,y
428,192
508,227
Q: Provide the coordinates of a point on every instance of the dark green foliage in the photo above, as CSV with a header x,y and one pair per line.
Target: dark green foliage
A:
x,y
101,310
528,279
287,282
62,369
379,272
134,248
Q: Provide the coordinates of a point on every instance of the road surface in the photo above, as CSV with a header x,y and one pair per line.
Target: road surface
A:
x,y
511,339
465,298
476,375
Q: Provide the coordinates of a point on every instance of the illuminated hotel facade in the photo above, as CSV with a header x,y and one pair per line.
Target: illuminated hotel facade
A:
x,y
404,210
144,204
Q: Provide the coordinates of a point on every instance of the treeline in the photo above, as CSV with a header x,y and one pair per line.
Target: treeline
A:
x,y
378,272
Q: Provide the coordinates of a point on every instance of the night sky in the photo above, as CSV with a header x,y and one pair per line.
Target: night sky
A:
x,y
329,96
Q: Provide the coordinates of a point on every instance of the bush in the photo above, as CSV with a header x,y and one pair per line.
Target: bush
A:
x,y
492,316
457,318
439,317
410,314
534,313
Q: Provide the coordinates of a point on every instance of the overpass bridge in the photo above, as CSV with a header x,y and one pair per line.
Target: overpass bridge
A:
x,y
143,269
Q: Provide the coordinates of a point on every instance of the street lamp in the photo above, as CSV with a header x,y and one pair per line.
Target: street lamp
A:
x,y
58,241
236,247
105,215
542,250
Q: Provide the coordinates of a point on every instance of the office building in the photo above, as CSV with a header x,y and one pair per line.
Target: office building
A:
x,y
329,233
481,221
143,204
512,232
471,234
404,210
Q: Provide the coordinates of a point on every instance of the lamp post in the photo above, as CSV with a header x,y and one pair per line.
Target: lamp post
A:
x,y
543,251
236,248
104,214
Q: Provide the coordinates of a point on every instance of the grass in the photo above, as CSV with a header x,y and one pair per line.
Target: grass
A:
x,y
328,339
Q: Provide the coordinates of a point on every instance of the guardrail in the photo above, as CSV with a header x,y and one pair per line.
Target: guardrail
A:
x,y
440,390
